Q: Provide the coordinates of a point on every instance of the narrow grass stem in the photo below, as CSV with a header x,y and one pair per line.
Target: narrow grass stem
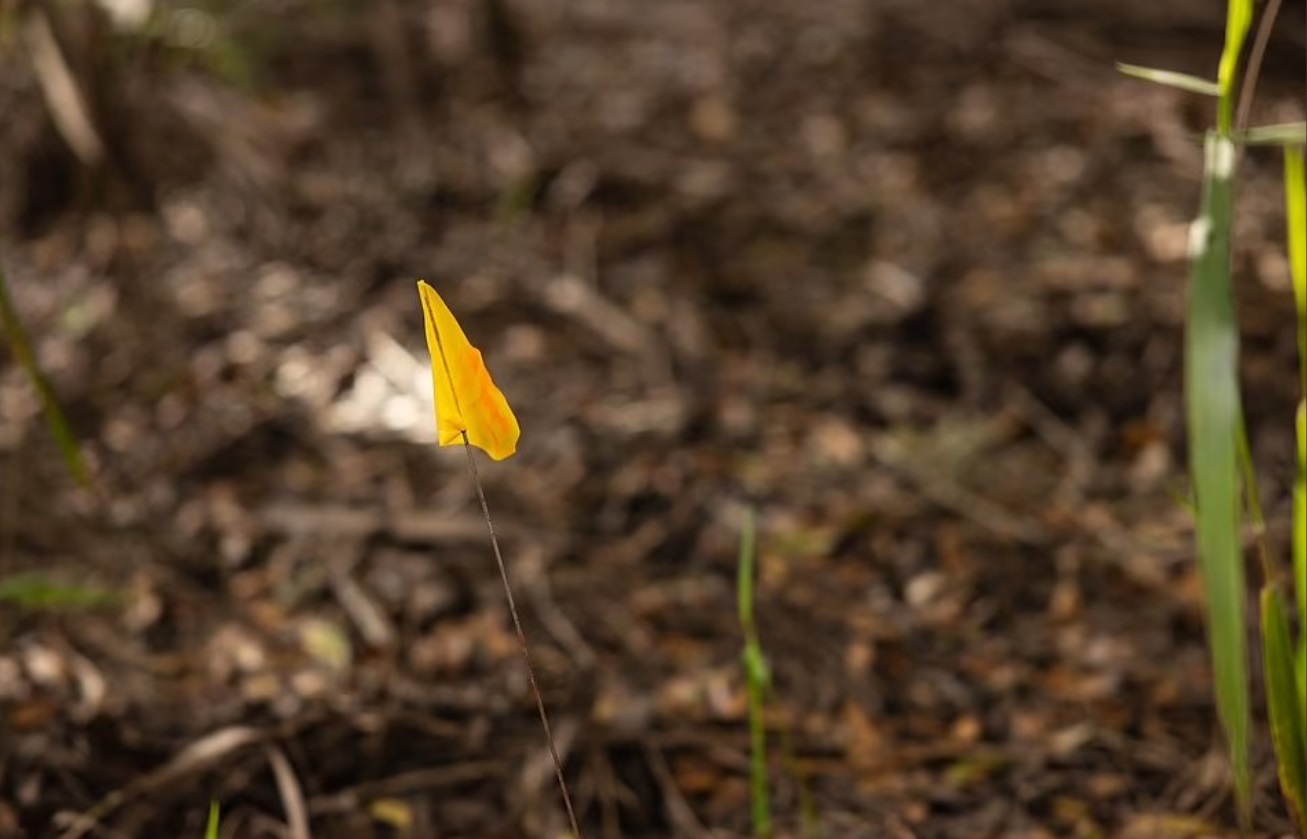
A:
x,y
521,640
757,681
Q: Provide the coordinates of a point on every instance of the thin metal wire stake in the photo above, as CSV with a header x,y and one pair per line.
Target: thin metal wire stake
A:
x,y
521,639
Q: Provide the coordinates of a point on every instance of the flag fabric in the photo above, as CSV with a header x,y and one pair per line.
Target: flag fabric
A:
x,y
467,400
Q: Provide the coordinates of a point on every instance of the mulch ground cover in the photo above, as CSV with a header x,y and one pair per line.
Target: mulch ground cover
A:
x,y
908,279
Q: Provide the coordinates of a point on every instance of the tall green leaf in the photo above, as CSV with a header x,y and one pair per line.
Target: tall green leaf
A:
x,y
1284,705
1214,420
1295,215
1295,199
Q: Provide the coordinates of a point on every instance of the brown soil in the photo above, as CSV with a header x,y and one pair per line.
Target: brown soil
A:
x,y
906,277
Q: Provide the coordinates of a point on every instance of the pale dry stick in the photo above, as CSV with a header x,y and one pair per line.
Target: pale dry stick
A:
x,y
351,799
521,639
292,797
952,496
198,756
68,107
557,623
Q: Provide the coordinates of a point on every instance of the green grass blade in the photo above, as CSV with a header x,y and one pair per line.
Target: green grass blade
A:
x,y
1280,134
1214,420
1295,199
1284,706
758,681
745,573
211,830
54,415
1239,16
37,591
1170,78
1253,498
1295,214
1300,552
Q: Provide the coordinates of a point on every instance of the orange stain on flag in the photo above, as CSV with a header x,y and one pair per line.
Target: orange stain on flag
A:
x,y
467,401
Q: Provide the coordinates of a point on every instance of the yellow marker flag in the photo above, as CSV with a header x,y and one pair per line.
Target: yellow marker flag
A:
x,y
466,397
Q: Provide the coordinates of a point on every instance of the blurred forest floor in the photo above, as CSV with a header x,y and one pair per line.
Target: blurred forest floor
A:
x,y
908,277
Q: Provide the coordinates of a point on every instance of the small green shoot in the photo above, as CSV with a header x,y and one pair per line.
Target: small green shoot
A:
x,y
758,681
37,591
54,415
211,830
